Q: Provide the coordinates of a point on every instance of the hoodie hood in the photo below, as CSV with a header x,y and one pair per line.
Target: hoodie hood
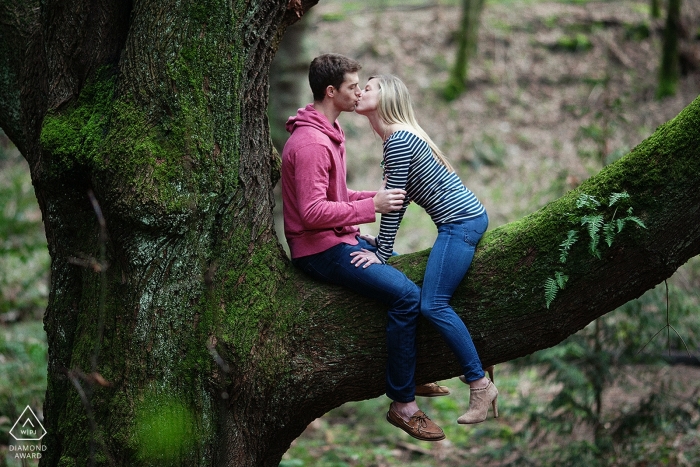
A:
x,y
309,116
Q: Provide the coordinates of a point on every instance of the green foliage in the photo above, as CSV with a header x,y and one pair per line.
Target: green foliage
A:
x,y
637,32
23,362
24,258
593,221
565,246
618,351
573,43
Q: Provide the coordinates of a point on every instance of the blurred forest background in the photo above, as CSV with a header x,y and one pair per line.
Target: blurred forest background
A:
x,y
553,91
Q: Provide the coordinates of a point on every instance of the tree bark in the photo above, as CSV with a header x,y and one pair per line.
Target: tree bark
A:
x,y
179,333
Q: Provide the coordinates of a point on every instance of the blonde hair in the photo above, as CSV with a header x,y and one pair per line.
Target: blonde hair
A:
x,y
395,106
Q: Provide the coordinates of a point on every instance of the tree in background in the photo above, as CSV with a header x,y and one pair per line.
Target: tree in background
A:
x,y
467,39
669,70
179,333
289,79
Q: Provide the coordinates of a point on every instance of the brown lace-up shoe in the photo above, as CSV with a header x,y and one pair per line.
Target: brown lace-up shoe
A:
x,y
432,390
419,426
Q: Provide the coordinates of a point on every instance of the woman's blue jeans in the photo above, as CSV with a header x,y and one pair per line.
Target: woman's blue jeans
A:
x,y
388,285
448,263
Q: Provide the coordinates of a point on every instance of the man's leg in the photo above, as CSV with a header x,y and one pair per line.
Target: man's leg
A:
x,y
388,285
384,283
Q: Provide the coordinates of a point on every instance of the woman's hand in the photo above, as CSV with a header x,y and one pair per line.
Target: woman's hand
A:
x,y
364,258
369,239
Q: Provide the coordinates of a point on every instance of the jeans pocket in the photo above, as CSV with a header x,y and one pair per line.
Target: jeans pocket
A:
x,y
475,229
472,237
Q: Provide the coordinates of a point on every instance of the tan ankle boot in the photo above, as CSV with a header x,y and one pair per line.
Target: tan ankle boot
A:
x,y
479,400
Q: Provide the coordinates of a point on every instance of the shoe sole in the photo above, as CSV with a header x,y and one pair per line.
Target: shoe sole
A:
x,y
412,434
433,394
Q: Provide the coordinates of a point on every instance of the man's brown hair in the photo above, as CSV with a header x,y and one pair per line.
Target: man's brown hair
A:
x,y
329,70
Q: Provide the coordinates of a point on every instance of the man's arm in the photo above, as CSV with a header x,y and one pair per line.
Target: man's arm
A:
x,y
319,212
358,195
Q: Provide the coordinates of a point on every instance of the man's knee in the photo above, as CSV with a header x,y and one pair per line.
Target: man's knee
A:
x,y
409,299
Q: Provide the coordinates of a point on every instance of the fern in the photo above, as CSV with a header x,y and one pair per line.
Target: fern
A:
x,y
620,224
587,201
636,220
609,231
594,224
615,197
561,279
565,246
552,286
550,290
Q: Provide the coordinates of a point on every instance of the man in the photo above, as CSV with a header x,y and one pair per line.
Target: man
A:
x,y
320,218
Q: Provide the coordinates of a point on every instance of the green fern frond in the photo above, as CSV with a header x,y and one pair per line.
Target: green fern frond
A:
x,y
561,279
593,224
636,220
565,246
550,290
615,197
620,224
609,231
587,201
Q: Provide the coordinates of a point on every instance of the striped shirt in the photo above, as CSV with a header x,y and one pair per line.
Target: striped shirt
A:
x,y
409,164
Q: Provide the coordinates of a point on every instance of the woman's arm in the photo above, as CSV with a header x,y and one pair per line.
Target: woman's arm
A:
x,y
397,162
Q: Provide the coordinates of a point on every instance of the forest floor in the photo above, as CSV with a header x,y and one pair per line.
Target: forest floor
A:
x,y
556,91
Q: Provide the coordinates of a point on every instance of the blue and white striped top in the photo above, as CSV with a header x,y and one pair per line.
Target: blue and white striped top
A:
x,y
409,164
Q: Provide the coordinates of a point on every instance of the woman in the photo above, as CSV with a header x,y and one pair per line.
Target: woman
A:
x,y
414,163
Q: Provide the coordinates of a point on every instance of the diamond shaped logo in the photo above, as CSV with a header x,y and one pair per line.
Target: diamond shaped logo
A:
x,y
28,427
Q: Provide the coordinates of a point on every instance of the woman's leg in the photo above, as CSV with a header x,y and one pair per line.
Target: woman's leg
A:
x,y
447,265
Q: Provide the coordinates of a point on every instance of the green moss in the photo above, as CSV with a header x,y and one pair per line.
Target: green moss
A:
x,y
66,461
74,134
165,429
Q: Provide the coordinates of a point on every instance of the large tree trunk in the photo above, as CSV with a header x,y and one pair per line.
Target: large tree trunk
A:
x,y
179,333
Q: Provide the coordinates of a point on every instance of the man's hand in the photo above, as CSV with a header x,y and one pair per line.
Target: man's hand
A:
x,y
386,201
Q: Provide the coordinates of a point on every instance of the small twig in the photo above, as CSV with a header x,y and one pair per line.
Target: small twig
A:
x,y
668,328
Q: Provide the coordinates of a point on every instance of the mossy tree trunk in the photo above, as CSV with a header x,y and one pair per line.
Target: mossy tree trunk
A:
x,y
179,333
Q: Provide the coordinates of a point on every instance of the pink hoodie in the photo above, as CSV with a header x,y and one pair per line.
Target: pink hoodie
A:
x,y
319,209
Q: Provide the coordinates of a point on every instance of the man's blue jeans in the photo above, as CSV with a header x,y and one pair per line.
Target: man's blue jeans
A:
x,y
388,285
448,263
